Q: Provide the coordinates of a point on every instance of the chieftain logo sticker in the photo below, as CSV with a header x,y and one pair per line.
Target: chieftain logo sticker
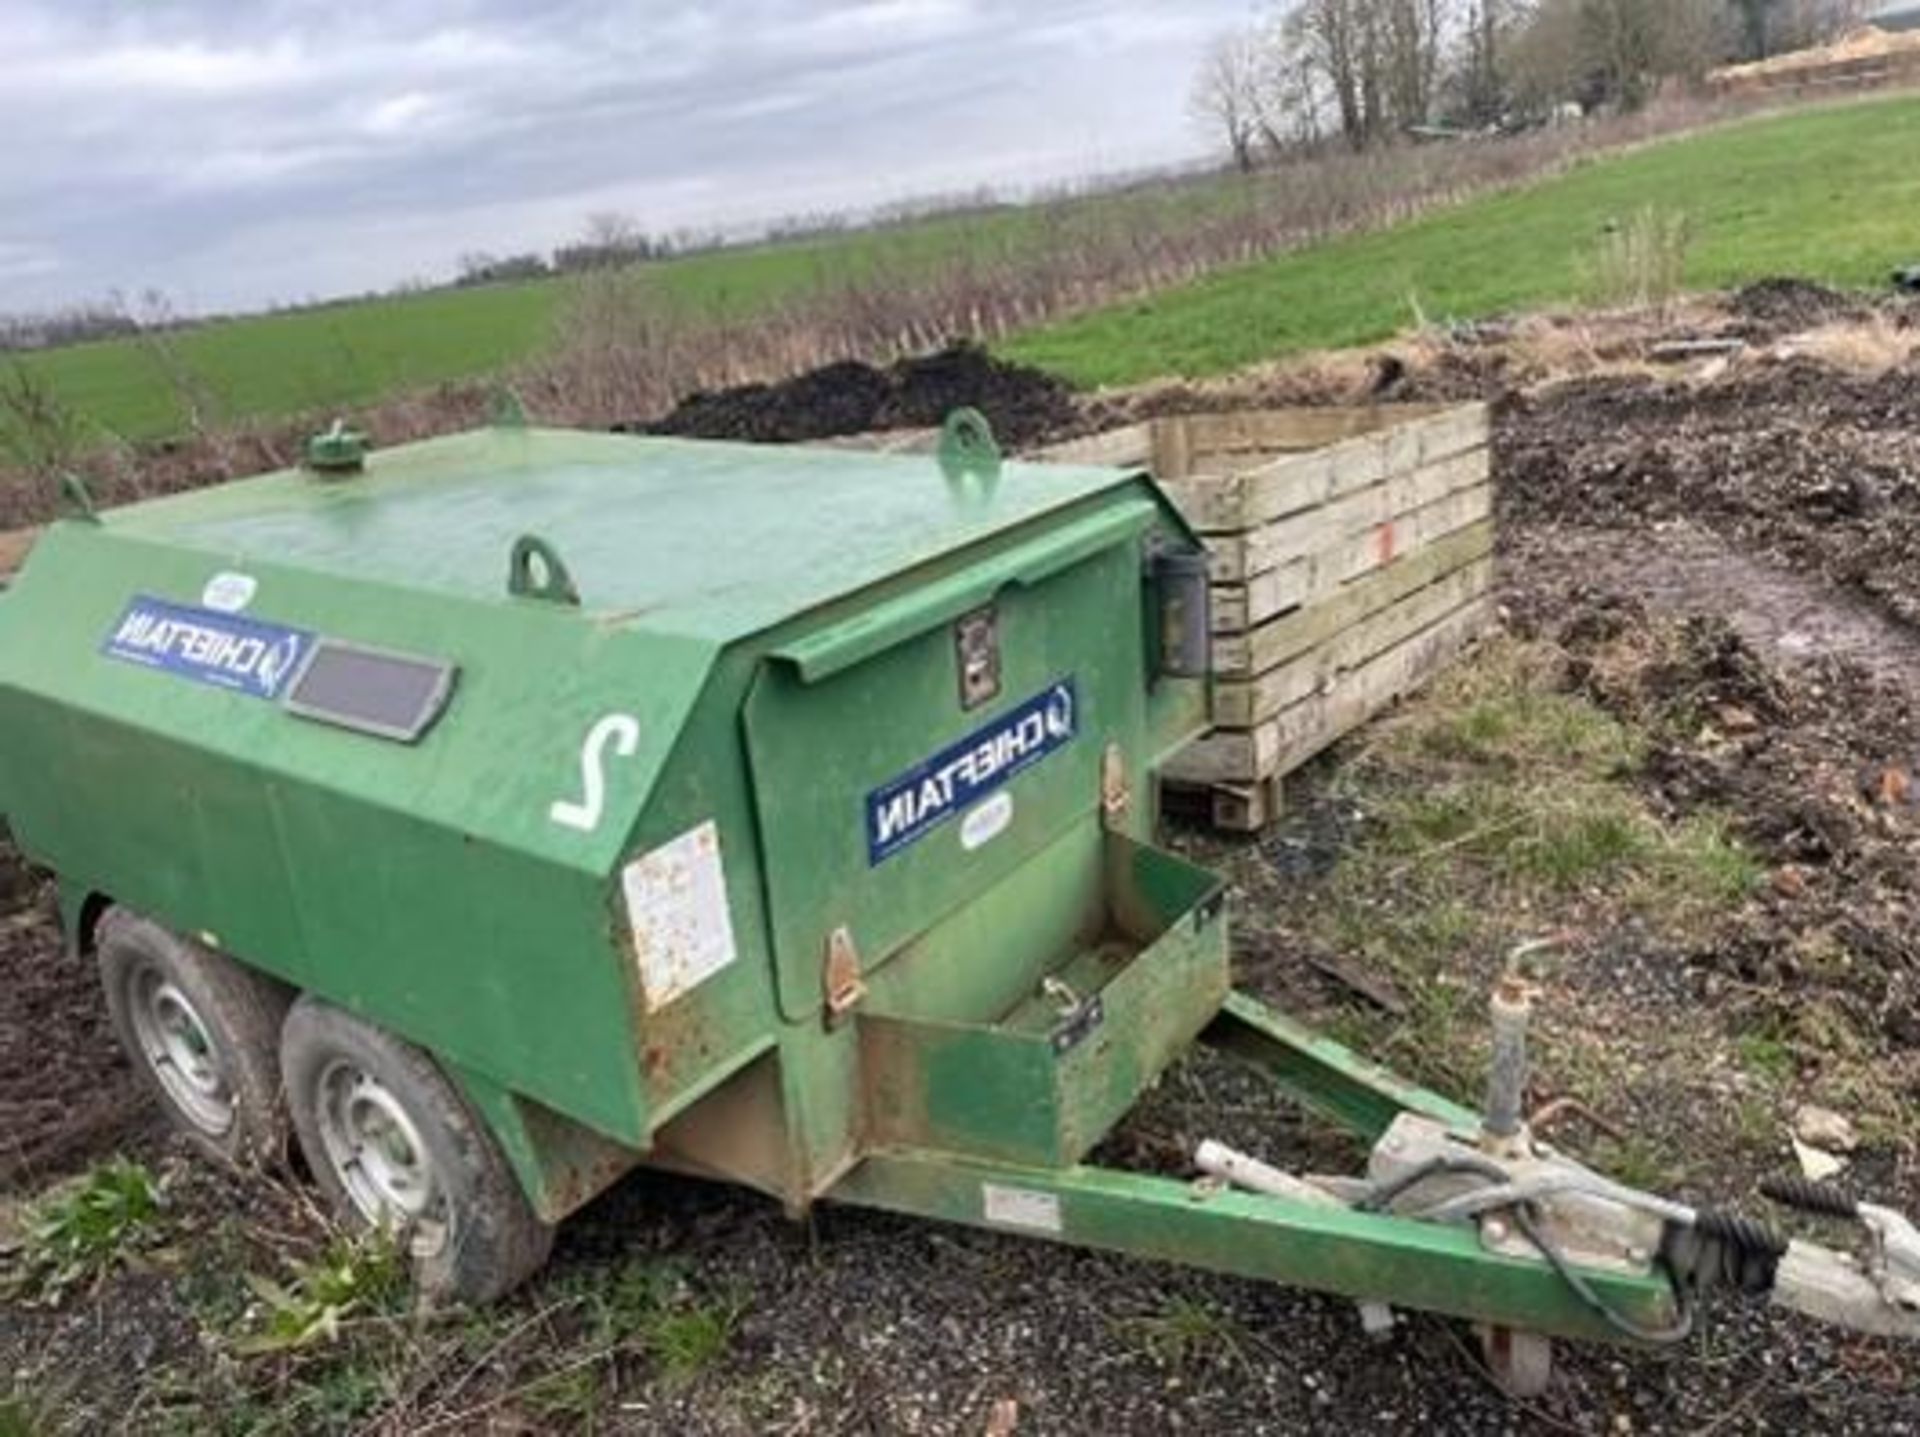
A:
x,y
224,650
952,781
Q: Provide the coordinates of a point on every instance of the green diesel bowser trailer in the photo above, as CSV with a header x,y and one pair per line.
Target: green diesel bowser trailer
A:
x,y
497,813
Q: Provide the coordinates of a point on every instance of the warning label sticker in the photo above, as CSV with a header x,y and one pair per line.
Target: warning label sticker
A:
x,y
677,908
1020,1207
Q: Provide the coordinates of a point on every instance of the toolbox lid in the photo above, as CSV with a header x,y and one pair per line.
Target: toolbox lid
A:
x,y
712,541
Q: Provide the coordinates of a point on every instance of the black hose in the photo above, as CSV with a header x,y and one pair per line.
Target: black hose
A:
x,y
1821,1199
1723,1250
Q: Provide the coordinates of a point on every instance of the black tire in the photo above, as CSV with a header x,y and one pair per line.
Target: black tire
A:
x,y
203,1031
473,1236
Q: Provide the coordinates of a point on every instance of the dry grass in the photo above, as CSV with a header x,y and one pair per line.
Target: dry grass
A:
x,y
1872,345
1528,350
1642,263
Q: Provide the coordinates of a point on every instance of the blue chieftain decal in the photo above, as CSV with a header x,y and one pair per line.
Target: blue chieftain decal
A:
x,y
224,650
920,800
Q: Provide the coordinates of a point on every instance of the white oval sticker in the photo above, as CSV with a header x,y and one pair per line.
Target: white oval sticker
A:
x,y
986,822
229,593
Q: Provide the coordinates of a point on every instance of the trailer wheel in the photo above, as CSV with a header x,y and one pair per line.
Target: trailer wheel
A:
x,y
392,1144
204,1033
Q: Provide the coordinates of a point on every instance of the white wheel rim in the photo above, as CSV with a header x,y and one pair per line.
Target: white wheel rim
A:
x,y
376,1151
179,1050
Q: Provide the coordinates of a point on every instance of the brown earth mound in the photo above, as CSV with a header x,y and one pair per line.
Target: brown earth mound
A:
x,y
1817,468
1785,305
65,1093
1022,404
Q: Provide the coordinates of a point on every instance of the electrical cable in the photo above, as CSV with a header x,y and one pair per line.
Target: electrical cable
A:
x,y
1383,1194
1525,1217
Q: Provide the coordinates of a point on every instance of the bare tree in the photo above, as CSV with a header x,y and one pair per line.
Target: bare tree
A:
x,y
1297,103
612,230
1631,44
1412,36
1616,52
1379,60
1769,27
1228,94
1483,83
475,265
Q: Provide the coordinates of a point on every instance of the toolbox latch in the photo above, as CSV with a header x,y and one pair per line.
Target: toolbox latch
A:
x,y
1116,795
845,987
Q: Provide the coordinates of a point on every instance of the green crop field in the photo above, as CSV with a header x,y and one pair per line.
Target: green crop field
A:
x,y
1832,195
353,353
1828,194
357,352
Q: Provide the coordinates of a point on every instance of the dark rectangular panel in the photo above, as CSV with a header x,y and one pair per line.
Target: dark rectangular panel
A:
x,y
389,695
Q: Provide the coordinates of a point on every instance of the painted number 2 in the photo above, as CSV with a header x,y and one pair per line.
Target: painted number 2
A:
x,y
619,732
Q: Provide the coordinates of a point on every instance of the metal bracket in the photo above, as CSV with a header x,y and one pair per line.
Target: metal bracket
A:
x,y
1116,796
845,988
78,499
1896,1266
1077,1024
976,643
536,571
337,452
505,411
967,446
1576,1208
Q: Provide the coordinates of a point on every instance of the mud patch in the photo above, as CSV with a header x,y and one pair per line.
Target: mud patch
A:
x,y
1817,469
65,1093
1023,405
1680,569
1801,719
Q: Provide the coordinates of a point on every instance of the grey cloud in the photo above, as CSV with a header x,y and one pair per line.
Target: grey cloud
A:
x,y
232,154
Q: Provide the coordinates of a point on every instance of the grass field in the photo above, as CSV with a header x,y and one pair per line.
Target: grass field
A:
x,y
1824,193
1828,194
354,353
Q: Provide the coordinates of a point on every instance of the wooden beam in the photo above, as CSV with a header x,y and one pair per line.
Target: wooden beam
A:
x,y
1128,448
1241,703
1254,495
1237,607
1239,557
1276,431
1282,744
1257,650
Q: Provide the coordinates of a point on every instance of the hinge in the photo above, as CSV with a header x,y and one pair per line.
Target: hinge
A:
x,y
1115,796
845,987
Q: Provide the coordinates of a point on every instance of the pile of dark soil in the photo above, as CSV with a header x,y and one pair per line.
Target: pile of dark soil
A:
x,y
1785,305
1815,467
18,882
65,1093
1022,404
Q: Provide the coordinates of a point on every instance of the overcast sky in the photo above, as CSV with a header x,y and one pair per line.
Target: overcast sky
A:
x,y
233,152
